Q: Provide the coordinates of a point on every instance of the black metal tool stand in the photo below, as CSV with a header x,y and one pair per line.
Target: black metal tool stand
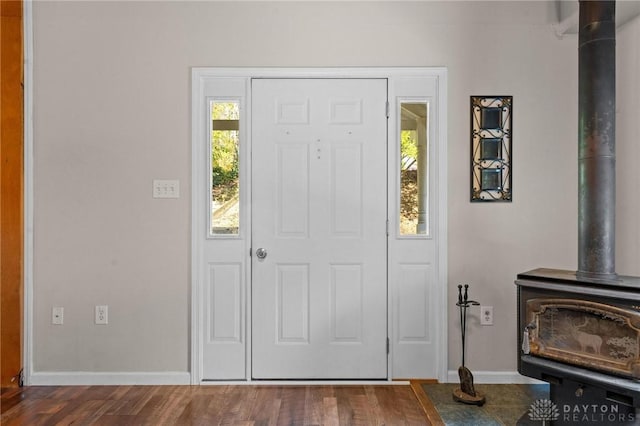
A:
x,y
466,393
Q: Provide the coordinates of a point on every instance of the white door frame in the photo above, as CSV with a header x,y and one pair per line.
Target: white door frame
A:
x,y
404,84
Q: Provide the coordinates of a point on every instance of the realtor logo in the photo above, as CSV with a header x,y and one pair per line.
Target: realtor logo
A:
x,y
544,410
583,413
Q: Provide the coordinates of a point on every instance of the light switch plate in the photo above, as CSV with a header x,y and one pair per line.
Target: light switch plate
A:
x,y
166,188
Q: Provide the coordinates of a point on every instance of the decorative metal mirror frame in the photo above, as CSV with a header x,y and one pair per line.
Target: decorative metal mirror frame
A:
x,y
491,133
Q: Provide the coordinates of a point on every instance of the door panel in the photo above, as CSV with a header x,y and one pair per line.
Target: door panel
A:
x,y
292,166
319,297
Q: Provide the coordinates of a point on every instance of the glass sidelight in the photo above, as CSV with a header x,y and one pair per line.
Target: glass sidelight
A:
x,y
224,154
414,174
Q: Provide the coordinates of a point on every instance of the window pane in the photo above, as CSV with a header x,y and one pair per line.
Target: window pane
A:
x,y
413,168
225,183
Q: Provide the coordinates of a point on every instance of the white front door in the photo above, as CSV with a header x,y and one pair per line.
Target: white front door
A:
x,y
318,208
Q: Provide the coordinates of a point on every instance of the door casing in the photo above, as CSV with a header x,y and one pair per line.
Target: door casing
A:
x,y
11,195
405,84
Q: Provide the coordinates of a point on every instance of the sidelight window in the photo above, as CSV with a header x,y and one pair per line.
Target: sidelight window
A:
x,y
414,174
224,154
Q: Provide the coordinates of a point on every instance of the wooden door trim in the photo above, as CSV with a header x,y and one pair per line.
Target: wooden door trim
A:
x,y
11,194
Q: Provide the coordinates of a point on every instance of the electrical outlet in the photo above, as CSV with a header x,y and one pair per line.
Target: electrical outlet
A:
x,y
486,315
57,315
102,314
163,188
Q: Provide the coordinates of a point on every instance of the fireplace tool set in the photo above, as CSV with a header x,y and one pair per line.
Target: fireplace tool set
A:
x,y
466,393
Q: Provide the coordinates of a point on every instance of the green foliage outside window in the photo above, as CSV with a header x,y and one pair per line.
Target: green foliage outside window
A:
x,y
408,148
224,153
408,182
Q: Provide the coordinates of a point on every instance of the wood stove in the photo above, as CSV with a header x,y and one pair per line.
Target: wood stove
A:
x,y
581,333
580,330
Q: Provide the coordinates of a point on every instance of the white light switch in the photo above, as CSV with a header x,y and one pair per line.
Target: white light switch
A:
x,y
163,188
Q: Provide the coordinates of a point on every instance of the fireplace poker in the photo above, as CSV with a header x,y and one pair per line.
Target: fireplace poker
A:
x,y
466,393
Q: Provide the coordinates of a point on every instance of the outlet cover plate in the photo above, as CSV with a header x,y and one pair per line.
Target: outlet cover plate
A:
x,y
57,315
102,314
486,315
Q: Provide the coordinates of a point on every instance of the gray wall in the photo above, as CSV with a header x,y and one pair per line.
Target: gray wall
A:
x,y
112,112
628,148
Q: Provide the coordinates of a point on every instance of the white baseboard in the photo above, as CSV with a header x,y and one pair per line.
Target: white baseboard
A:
x,y
282,383
88,378
494,377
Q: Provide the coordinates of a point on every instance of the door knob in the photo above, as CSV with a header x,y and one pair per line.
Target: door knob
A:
x,y
261,253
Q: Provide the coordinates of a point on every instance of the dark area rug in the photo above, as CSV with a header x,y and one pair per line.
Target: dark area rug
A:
x,y
505,404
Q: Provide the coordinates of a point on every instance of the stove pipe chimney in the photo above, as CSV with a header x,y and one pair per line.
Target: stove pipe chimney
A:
x,y
596,150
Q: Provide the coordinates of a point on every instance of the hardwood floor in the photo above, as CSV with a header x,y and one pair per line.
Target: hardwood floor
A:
x,y
212,405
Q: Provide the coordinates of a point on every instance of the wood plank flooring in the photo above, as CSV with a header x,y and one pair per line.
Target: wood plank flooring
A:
x,y
212,405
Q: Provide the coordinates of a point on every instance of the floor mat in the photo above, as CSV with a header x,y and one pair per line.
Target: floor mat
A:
x,y
505,404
